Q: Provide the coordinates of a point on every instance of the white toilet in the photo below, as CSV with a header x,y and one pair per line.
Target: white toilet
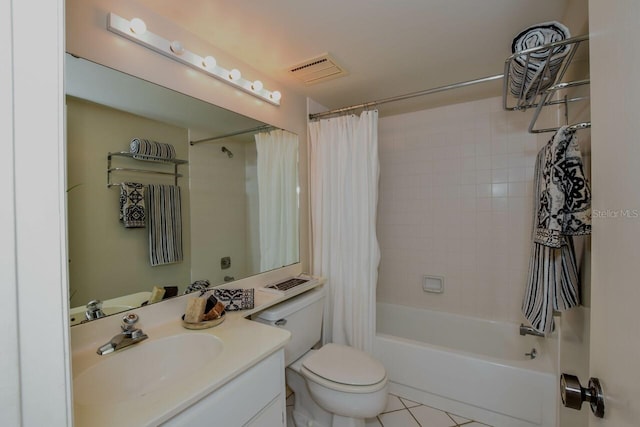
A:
x,y
335,386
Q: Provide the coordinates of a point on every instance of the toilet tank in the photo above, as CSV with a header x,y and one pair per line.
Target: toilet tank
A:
x,y
300,315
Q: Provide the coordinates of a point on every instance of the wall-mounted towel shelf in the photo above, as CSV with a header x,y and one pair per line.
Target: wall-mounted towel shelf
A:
x,y
544,91
173,163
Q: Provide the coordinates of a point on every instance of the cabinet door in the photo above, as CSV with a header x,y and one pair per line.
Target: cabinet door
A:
x,y
272,416
241,400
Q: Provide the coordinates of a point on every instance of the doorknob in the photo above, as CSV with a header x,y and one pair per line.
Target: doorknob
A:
x,y
573,394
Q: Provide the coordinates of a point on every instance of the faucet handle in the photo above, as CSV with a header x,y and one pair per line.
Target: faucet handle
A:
x,y
94,310
94,304
129,321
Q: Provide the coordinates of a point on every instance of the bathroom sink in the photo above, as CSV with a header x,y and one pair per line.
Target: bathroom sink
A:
x,y
145,367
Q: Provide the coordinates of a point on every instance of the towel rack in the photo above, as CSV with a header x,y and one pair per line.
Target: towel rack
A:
x,y
543,97
170,162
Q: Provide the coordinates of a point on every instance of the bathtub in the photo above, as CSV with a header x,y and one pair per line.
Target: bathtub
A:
x,y
466,366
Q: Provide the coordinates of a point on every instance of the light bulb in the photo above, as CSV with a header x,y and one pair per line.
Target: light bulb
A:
x,y
235,74
209,62
257,86
138,26
177,48
275,95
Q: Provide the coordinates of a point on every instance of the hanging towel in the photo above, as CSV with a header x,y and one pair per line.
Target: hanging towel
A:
x,y
132,211
165,224
528,77
562,201
146,147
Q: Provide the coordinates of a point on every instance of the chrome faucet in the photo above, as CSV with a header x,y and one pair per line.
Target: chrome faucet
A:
x,y
94,310
130,335
528,330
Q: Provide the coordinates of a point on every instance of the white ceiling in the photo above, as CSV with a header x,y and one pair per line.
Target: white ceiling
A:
x,y
389,47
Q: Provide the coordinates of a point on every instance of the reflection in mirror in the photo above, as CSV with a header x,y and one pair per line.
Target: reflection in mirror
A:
x,y
236,211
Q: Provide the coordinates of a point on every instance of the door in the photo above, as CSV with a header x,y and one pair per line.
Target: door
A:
x,y
615,261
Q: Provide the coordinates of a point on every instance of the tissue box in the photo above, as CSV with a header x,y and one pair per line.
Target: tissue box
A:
x,y
235,299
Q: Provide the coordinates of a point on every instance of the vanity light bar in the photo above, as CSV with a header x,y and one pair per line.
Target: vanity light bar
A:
x,y
136,31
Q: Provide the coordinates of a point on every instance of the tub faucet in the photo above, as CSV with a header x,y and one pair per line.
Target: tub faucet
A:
x,y
528,330
130,335
94,310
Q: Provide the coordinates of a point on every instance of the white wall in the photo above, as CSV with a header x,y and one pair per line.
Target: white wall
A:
x,y
9,362
107,260
456,201
34,304
615,105
220,229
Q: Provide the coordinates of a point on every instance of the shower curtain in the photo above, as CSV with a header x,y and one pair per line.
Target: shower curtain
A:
x,y
344,171
277,167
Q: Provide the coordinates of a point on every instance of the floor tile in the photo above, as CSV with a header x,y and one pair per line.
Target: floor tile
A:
x,y
372,422
393,404
459,419
398,419
430,417
475,424
409,403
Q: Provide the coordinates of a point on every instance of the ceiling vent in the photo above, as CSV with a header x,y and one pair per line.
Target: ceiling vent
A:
x,y
317,70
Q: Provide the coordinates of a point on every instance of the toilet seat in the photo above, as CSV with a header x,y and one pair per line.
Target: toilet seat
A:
x,y
344,368
345,388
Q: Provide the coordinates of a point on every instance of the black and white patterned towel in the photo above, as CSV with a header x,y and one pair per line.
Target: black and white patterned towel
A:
x,y
165,224
529,77
564,198
235,299
198,285
562,201
132,209
146,147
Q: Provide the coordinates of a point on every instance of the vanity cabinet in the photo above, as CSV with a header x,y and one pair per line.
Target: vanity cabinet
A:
x,y
255,398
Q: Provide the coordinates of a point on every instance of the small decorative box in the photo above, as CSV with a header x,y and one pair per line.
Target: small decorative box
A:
x,y
235,299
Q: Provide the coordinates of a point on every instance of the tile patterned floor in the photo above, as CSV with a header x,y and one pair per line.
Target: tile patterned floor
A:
x,y
401,412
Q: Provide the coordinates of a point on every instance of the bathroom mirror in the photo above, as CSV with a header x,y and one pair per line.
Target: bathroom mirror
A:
x,y
228,191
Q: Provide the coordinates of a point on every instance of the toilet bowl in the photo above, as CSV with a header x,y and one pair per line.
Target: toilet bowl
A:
x,y
335,386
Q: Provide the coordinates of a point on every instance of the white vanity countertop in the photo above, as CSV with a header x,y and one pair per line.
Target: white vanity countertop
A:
x,y
245,343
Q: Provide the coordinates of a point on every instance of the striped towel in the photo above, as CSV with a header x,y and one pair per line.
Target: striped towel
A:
x,y
146,147
132,211
530,77
165,224
562,200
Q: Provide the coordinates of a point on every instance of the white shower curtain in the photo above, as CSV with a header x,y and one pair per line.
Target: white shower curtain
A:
x,y
344,172
277,167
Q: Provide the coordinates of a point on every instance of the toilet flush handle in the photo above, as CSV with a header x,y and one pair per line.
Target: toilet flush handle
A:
x,y
281,322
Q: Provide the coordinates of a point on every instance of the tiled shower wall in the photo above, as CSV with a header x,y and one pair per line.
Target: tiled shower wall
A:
x,y
456,201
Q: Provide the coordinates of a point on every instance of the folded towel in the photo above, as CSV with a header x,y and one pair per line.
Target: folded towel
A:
x,y
132,211
165,224
146,147
235,299
530,77
562,201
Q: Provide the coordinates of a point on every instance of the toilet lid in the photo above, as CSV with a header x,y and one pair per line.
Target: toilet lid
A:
x,y
345,365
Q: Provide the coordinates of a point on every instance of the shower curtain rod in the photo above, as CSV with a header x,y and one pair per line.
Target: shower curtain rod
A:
x,y
406,96
228,135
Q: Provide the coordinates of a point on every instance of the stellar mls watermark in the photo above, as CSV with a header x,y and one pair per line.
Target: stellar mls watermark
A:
x,y
616,213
